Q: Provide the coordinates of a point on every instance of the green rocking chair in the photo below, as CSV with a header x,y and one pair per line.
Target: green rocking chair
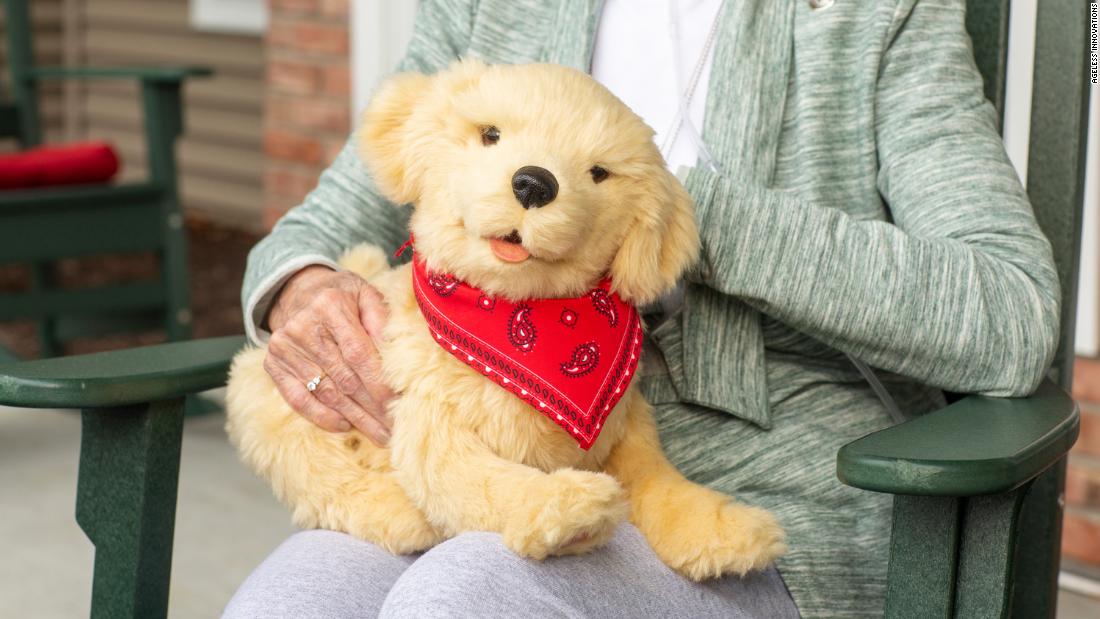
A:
x,y
39,226
977,523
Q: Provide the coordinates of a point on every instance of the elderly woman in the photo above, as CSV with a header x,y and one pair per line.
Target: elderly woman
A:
x,y
855,201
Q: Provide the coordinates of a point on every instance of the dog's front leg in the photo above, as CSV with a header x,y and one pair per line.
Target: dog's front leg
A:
x,y
337,481
461,485
694,530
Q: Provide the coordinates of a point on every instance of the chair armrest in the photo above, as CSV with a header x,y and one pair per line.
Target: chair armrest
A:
x,y
978,445
155,74
120,377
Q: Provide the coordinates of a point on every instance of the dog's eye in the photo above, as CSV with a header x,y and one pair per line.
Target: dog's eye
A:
x,y
599,174
490,135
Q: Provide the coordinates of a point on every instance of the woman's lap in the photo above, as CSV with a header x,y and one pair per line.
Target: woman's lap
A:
x,y
325,574
319,574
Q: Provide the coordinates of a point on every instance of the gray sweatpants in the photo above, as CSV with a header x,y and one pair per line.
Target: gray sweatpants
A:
x,y
327,574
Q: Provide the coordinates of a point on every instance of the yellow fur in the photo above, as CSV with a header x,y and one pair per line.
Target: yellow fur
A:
x,y
466,455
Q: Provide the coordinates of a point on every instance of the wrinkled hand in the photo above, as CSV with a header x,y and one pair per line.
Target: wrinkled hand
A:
x,y
324,323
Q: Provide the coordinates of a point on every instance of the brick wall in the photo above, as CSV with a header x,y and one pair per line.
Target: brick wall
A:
x,y
1081,534
307,105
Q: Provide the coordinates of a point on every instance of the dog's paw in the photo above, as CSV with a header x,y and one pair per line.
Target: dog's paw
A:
x,y
707,535
570,512
365,260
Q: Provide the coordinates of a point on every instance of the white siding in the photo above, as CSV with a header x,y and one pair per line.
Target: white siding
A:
x,y
221,153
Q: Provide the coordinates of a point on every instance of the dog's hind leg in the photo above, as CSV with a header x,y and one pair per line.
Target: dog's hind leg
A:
x,y
333,481
370,506
461,485
693,529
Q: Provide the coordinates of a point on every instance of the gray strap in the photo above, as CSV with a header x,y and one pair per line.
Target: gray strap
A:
x,y
879,389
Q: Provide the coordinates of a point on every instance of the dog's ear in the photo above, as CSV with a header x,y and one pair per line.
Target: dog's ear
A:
x,y
661,244
385,136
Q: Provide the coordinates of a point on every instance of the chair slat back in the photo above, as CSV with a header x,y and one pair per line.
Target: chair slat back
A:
x,y
987,23
1059,117
20,119
1056,153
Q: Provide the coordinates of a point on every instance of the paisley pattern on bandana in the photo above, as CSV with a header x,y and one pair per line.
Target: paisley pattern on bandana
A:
x,y
521,332
602,302
442,284
585,359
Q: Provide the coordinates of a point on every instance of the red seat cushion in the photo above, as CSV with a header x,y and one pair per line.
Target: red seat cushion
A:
x,y
62,164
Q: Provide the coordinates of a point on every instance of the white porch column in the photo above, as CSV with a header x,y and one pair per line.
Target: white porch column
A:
x,y
1088,293
1017,132
380,31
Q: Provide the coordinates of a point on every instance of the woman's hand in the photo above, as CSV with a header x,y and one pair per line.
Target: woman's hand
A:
x,y
324,323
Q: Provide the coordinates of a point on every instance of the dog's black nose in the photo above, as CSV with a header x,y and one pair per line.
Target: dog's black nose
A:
x,y
534,186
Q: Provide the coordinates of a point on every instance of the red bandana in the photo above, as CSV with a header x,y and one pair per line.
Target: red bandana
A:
x,y
570,359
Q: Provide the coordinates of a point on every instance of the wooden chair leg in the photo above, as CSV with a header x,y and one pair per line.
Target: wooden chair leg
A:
x,y
126,503
923,555
988,555
1038,552
976,557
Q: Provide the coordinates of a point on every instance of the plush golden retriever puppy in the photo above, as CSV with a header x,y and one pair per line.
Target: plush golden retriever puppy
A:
x,y
528,182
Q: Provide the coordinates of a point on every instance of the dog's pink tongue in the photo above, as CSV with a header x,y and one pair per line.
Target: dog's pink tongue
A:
x,y
508,252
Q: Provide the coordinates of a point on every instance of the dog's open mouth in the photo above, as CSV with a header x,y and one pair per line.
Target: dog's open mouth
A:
x,y
509,248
